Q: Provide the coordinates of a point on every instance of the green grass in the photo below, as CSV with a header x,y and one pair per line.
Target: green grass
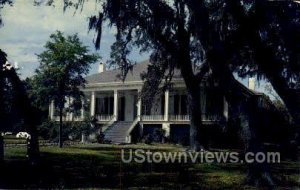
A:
x,y
100,166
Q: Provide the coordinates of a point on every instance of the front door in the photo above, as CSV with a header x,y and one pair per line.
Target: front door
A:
x,y
121,111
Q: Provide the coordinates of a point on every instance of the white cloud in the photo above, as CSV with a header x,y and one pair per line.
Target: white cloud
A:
x,y
27,28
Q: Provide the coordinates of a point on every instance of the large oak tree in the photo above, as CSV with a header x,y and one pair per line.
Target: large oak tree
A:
x,y
250,37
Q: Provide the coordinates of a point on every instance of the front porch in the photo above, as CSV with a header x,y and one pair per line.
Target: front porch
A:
x,y
125,105
122,110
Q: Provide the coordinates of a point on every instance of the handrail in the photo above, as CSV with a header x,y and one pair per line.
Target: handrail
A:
x,y
133,124
110,122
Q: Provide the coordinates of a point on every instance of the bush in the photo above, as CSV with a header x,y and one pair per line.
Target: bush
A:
x,y
71,130
148,139
100,138
159,135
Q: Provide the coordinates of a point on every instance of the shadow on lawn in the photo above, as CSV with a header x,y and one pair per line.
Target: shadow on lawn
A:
x,y
101,167
84,171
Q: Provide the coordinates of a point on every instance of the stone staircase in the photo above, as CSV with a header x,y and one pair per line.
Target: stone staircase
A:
x,y
117,132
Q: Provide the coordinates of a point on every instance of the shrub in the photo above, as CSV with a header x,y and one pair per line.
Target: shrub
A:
x,y
100,138
148,139
159,135
71,130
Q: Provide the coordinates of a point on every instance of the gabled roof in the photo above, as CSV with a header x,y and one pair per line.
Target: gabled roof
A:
x,y
113,75
110,76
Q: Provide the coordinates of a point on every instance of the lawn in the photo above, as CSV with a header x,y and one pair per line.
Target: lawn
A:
x,y
100,166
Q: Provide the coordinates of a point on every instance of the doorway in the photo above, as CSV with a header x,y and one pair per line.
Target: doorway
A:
x,y
121,110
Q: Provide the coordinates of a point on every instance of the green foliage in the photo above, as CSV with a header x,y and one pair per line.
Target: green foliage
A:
x,y
15,109
224,36
61,70
2,4
63,65
147,139
159,134
71,131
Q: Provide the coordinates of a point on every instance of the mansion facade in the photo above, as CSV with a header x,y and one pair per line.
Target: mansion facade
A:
x,y
123,118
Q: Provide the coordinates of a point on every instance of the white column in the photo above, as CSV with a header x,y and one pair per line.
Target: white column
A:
x,y
225,111
71,100
115,105
166,114
82,109
93,103
141,129
166,128
51,110
139,106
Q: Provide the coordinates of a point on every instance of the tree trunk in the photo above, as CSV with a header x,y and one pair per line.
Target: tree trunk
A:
x,y
198,136
289,96
1,149
258,173
33,145
60,127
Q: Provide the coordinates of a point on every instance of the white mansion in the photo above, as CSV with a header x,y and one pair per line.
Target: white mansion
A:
x,y
120,113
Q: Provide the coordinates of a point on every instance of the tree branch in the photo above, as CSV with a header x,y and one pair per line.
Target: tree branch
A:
x,y
203,70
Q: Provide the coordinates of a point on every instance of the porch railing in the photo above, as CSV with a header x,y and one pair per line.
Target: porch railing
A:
x,y
152,117
179,117
204,117
211,117
104,117
69,118
78,118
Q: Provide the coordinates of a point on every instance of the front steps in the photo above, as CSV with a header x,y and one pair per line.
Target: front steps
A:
x,y
117,132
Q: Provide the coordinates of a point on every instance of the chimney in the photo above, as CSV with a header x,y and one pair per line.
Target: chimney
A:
x,y
16,65
251,83
101,68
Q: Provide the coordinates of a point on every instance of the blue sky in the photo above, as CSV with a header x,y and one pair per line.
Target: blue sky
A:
x,y
27,28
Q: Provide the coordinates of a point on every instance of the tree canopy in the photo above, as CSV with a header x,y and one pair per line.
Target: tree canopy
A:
x,y
61,72
16,107
251,37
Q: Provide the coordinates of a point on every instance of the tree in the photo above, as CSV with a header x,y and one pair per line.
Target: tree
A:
x,y
259,38
61,70
219,36
223,36
15,102
161,28
2,4
267,36
2,84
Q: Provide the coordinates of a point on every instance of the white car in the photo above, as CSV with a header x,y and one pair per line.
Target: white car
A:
x,y
8,133
23,135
